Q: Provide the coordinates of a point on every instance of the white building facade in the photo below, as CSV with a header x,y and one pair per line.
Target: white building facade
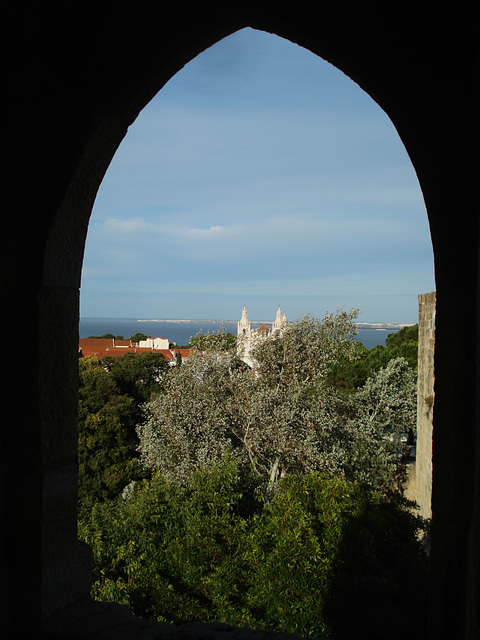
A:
x,y
247,337
154,343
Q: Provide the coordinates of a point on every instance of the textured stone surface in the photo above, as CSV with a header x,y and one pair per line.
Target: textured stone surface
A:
x,y
425,402
108,621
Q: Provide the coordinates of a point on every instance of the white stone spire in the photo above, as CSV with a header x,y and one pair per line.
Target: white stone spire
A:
x,y
279,321
243,325
244,337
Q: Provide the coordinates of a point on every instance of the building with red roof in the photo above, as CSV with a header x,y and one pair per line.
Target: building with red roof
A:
x,y
101,347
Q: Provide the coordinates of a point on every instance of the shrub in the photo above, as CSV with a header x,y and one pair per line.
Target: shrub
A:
x,y
324,556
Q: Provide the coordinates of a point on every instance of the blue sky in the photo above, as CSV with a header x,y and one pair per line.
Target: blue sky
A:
x,y
260,175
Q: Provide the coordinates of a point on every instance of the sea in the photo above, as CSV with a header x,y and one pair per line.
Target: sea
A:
x,y
180,331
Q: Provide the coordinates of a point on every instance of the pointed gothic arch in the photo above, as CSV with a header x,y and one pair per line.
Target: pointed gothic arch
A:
x,y
73,86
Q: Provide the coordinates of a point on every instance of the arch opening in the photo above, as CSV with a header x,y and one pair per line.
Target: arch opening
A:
x,y
133,224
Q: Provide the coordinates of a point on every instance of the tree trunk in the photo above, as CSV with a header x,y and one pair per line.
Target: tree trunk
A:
x,y
273,477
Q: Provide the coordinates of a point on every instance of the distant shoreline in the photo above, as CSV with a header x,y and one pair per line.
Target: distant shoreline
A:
x,y
384,326
380,326
181,331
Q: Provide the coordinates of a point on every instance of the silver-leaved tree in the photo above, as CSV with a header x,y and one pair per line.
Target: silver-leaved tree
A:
x,y
283,417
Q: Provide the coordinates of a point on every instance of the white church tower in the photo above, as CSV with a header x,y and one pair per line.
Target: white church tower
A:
x,y
280,321
247,337
244,327
244,338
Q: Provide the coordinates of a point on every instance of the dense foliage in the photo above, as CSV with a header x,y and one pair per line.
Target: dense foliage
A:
x,y
351,374
135,338
267,498
219,341
111,395
285,417
324,557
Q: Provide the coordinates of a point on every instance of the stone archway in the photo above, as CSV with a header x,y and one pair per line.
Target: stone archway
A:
x,y
88,73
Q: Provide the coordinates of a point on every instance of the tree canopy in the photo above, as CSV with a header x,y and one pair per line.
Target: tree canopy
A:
x,y
137,337
260,498
324,557
284,417
111,395
349,375
218,341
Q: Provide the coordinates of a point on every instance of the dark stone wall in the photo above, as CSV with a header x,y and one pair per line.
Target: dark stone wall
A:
x,y
75,76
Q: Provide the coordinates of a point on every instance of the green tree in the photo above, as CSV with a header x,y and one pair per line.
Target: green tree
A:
x,y
137,374
138,336
382,416
171,552
111,395
213,552
318,541
404,344
107,440
109,336
282,419
350,374
187,425
303,354
219,341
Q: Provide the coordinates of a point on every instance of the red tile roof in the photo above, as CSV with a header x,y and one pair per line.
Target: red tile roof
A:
x,y
263,329
101,347
123,343
184,352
